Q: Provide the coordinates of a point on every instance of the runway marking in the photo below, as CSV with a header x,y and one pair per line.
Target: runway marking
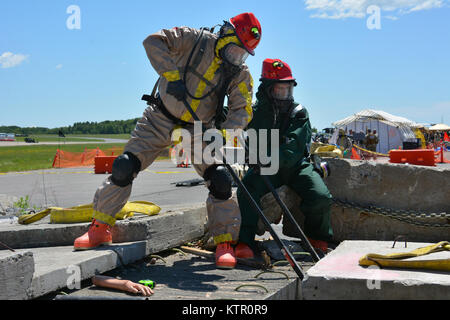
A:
x,y
167,172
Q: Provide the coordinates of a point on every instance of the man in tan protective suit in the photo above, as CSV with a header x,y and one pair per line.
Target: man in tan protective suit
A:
x,y
197,67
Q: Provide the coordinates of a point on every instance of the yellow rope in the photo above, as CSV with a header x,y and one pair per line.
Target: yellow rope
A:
x,y
362,149
394,260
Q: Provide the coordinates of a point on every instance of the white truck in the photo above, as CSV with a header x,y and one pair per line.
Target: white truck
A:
x,y
7,137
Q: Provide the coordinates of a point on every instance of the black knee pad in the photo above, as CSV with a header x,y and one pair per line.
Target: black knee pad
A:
x,y
219,181
124,169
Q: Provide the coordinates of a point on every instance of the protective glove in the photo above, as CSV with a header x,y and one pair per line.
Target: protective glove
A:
x,y
176,89
321,167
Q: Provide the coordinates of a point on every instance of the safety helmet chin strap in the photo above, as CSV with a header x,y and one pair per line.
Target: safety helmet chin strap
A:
x,y
227,35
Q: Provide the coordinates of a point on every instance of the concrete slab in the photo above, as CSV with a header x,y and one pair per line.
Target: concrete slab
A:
x,y
164,228
54,265
417,188
339,276
354,224
59,267
189,277
389,185
16,272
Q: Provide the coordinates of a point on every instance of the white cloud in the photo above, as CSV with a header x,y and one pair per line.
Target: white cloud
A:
x,y
10,60
59,66
341,9
391,17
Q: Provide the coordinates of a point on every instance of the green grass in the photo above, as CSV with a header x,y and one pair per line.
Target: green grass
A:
x,y
75,137
35,157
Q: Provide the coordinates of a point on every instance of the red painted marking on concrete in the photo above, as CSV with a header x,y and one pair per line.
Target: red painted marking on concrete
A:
x,y
348,265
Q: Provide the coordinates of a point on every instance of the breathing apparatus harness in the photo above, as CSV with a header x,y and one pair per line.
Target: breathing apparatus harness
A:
x,y
228,70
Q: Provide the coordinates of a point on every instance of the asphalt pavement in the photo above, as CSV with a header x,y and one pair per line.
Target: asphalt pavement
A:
x,y
76,186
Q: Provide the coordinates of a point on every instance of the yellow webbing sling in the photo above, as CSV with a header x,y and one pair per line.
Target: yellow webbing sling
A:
x,y
84,213
393,260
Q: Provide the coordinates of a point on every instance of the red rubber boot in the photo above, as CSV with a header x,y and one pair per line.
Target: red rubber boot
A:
x,y
243,251
225,257
97,235
319,244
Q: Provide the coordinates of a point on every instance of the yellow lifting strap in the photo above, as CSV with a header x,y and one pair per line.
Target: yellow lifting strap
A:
x,y
84,213
368,151
393,260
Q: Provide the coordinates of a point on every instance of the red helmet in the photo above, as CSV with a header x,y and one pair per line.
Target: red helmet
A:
x,y
248,30
275,69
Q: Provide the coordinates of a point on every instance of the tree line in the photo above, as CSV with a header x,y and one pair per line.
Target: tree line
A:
x,y
104,127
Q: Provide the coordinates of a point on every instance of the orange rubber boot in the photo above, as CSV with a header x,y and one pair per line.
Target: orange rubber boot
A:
x,y
225,258
97,235
319,244
243,251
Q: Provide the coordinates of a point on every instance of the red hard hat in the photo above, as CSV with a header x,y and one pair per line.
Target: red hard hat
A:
x,y
275,69
248,30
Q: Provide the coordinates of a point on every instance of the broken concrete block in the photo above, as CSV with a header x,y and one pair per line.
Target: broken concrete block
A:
x,y
16,273
354,224
339,275
391,186
188,223
396,186
57,267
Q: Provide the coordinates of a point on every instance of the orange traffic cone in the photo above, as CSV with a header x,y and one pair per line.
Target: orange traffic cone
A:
x,y
355,155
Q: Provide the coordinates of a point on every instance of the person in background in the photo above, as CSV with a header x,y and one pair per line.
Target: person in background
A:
x,y
345,144
371,142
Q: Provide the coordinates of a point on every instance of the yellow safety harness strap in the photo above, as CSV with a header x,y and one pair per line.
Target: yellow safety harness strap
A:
x,y
373,152
84,213
394,260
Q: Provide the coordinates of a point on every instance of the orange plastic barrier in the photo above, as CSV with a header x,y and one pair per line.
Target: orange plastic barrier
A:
x,y
115,151
422,157
104,164
439,157
65,159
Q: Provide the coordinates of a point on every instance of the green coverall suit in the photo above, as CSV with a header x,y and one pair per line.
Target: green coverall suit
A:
x,y
295,171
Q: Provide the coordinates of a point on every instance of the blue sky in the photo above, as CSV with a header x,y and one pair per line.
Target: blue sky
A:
x,y
52,76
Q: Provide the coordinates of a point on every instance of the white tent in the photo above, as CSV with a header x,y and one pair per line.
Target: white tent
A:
x,y
392,130
439,127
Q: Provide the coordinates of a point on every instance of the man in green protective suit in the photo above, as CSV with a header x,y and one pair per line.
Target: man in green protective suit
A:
x,y
275,109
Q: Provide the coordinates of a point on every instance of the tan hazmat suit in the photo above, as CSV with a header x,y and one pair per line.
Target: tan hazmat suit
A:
x,y
168,52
